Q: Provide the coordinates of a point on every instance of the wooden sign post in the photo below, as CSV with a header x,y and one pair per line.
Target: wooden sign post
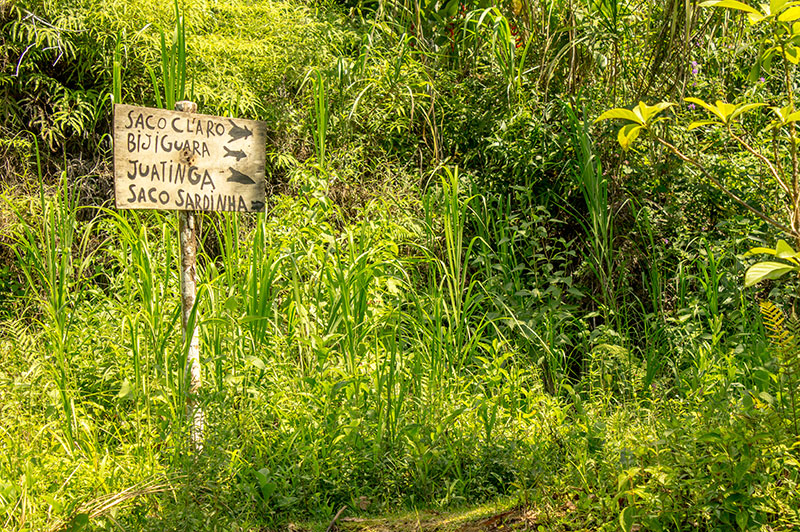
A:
x,y
180,160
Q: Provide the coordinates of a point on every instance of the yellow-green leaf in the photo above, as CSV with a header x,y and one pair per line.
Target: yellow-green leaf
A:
x,y
762,271
775,6
792,54
726,109
793,13
732,4
782,112
638,112
784,250
625,114
756,251
660,106
707,106
741,109
753,15
627,134
647,111
702,123
626,519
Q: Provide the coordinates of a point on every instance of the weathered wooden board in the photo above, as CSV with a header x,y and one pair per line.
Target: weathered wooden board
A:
x,y
179,161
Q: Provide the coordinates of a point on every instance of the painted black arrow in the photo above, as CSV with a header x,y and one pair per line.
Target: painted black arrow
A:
x,y
238,154
238,177
237,132
256,205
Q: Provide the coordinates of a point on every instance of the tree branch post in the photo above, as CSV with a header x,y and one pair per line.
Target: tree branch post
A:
x,y
188,239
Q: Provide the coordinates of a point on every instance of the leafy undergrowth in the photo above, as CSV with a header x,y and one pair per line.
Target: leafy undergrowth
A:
x,y
455,296
355,363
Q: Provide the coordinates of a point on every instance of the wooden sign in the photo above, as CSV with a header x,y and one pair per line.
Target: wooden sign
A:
x,y
180,161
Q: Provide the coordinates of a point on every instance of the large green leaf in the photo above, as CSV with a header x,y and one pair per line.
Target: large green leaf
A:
x,y
762,271
641,114
752,14
732,4
701,123
776,5
723,110
782,113
708,107
756,251
783,250
785,115
741,109
727,109
648,111
625,114
627,134
793,13
792,54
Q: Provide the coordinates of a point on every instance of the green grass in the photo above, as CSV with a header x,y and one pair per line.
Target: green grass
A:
x,y
336,373
448,312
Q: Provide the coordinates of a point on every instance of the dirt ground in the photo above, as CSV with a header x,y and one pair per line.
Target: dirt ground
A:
x,y
511,520
487,518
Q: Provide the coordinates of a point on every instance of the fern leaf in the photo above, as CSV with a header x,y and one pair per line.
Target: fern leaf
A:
x,y
790,355
774,322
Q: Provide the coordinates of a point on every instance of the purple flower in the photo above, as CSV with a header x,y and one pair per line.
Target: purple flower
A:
x,y
691,106
761,79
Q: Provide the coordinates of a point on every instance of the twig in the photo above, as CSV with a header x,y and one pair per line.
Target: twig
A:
x,y
19,63
770,167
336,518
725,190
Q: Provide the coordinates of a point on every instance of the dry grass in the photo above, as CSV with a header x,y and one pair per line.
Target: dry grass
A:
x,y
493,517
103,506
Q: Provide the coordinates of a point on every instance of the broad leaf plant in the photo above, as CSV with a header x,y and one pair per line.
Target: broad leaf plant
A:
x,y
781,42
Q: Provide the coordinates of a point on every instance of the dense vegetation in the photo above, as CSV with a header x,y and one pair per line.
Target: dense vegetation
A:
x,y
463,289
